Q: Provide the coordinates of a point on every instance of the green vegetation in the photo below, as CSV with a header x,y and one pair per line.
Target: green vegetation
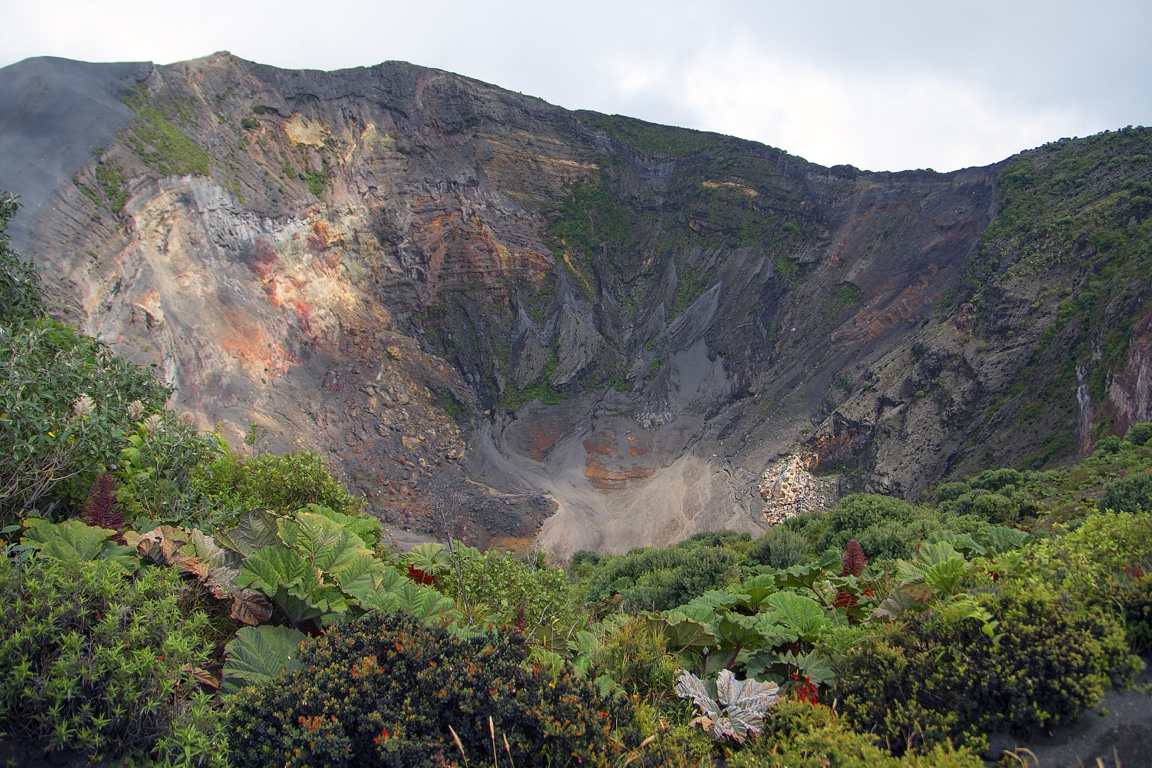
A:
x,y
96,660
732,215
316,180
112,179
650,137
389,690
20,298
690,287
589,217
158,141
1074,213
164,600
541,389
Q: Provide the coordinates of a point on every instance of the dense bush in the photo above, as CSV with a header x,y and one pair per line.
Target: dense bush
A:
x,y
934,677
1085,562
887,528
781,547
93,659
1140,434
501,589
157,470
386,691
1136,602
20,297
803,735
66,404
635,656
1128,494
283,483
659,579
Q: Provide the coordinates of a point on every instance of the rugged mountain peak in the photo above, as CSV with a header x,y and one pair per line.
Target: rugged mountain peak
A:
x,y
386,264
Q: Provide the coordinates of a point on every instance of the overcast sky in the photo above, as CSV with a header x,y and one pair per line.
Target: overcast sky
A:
x,y
879,85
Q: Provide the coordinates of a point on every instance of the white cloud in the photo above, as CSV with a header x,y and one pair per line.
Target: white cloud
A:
x,y
875,120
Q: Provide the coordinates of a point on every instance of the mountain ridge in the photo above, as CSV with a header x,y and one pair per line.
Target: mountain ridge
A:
x,y
398,267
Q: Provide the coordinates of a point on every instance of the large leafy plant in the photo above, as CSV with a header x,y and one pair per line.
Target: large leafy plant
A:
x,y
737,709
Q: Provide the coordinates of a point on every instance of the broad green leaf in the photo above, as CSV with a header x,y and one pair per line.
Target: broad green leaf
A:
x,y
428,557
259,654
932,553
353,569
69,540
273,568
74,541
367,528
205,549
736,631
799,613
256,530
811,665
962,542
701,613
902,598
291,582
364,575
682,633
586,644
547,659
1001,539
775,633
423,602
715,599
325,544
771,665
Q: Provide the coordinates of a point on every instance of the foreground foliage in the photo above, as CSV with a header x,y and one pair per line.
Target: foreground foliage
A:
x,y
386,692
93,658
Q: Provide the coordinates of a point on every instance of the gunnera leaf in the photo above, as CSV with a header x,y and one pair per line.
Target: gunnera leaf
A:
x,y
367,528
259,654
74,541
255,531
799,613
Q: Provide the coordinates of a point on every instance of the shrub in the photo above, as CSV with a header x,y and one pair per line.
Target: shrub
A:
x,y
659,579
1140,434
66,403
636,657
929,680
991,507
20,296
1137,604
505,590
780,548
158,468
386,691
803,735
92,659
737,540
1128,494
286,482
996,479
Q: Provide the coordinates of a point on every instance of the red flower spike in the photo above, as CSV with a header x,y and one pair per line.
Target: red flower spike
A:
x,y
101,510
854,560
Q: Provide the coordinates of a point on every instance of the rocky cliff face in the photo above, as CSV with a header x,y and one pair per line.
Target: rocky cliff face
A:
x,y
456,292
